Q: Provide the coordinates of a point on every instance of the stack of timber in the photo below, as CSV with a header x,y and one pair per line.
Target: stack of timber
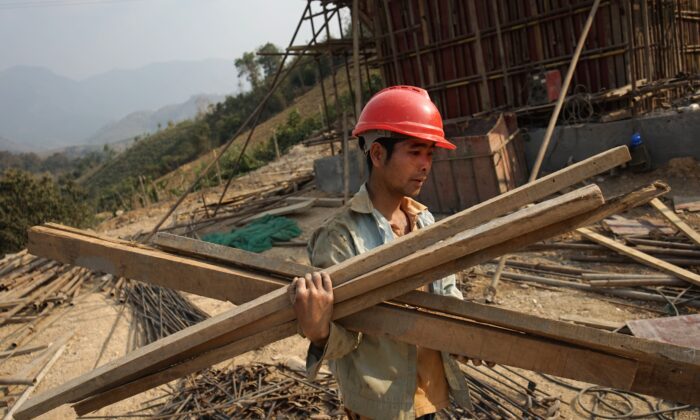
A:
x,y
361,284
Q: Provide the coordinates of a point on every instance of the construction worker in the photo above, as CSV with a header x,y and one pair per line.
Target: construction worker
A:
x,y
378,377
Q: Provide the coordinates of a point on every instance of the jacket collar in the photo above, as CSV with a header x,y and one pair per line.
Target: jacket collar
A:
x,y
361,203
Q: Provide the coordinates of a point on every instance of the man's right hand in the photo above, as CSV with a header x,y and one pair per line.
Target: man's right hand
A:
x,y
312,298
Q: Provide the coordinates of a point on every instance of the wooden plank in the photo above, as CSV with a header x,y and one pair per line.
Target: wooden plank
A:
x,y
524,351
281,211
676,221
597,323
318,201
591,338
203,361
641,257
641,196
622,226
140,262
638,197
225,254
480,341
487,210
274,308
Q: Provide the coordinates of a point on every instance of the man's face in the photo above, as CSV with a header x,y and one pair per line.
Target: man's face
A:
x,y
407,168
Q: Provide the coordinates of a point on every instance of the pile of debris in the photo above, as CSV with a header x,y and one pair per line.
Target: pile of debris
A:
x,y
668,253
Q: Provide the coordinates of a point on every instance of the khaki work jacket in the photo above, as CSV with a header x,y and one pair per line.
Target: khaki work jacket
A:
x,y
376,375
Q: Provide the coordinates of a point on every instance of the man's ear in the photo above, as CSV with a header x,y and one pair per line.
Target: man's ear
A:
x,y
377,153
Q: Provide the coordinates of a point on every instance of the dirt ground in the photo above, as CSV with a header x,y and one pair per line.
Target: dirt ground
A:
x,y
101,327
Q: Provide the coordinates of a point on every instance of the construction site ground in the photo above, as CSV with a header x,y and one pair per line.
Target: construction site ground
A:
x,y
101,326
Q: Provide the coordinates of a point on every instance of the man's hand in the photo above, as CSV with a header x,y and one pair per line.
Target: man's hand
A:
x,y
312,297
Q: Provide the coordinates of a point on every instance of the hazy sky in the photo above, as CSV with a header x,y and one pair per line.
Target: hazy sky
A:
x,y
79,38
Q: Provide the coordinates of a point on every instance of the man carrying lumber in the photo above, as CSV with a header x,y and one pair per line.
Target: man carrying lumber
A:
x,y
380,377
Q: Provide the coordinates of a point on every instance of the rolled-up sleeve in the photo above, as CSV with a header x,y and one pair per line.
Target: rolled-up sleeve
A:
x,y
328,246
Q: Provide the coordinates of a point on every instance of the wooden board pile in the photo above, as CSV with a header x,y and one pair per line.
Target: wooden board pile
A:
x,y
392,271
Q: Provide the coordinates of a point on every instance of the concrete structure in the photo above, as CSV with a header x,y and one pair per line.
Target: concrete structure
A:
x,y
328,173
666,136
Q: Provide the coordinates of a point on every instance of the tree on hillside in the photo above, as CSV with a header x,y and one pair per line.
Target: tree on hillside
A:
x,y
26,200
247,65
269,63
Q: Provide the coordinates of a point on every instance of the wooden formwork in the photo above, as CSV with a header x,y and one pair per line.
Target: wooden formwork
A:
x,y
477,55
489,160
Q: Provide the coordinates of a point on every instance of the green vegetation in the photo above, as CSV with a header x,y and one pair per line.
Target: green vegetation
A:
x,y
71,190
114,184
27,200
58,164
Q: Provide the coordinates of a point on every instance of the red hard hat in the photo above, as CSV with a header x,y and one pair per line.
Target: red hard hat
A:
x,y
406,110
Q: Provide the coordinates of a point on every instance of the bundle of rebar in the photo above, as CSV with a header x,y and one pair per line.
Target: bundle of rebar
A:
x,y
673,292
251,391
159,311
260,390
31,287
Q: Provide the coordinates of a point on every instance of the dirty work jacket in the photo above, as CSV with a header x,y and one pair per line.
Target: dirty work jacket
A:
x,y
376,375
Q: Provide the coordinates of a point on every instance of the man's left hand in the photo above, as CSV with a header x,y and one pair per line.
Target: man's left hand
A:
x,y
312,297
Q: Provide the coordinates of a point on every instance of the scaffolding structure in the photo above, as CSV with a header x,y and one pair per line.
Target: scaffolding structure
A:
x,y
475,56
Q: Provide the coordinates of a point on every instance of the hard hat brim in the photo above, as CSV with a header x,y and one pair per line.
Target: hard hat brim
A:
x,y
439,140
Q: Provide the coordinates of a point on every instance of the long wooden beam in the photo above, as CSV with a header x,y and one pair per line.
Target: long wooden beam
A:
x,y
641,257
375,258
636,198
458,336
473,216
675,383
274,308
227,255
123,259
617,343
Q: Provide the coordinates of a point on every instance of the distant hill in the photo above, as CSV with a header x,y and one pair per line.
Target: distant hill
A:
x,y
10,146
42,110
142,122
